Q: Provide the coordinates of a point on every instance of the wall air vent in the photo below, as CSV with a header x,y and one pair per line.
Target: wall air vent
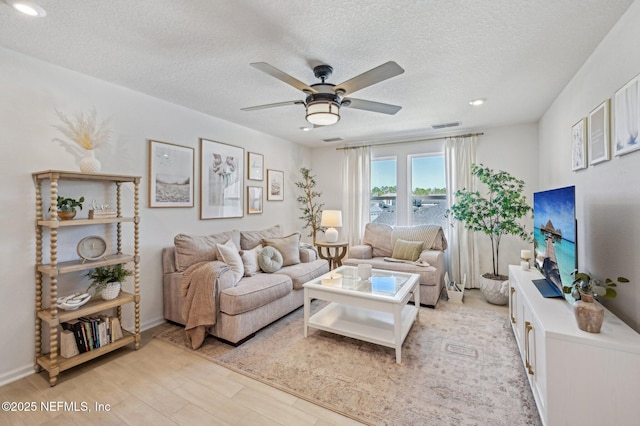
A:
x,y
446,125
333,140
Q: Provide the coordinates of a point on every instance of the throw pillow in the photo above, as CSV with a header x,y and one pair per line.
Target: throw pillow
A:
x,y
407,250
250,260
229,253
270,259
288,246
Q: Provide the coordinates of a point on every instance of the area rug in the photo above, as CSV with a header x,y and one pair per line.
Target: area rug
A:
x,y
460,366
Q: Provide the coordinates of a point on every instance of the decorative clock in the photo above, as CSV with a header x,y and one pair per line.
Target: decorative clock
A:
x,y
92,248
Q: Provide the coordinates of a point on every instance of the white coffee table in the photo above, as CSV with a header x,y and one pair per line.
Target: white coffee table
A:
x,y
374,310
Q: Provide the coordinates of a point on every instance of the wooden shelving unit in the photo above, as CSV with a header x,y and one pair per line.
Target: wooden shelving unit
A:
x,y
51,315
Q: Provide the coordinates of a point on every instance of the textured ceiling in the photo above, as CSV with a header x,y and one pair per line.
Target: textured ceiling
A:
x,y
516,53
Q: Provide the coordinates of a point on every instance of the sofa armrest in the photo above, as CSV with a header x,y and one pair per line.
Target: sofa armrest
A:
x,y
360,252
434,258
308,255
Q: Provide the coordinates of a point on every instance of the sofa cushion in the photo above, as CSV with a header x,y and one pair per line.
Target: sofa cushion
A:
x,y
270,259
191,249
250,260
253,292
378,236
407,250
288,246
229,254
303,272
250,239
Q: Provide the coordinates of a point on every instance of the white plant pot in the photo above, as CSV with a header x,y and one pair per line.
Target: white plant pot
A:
x,y
111,291
495,291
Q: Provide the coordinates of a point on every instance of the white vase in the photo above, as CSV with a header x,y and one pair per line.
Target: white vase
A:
x,y
90,164
495,291
111,291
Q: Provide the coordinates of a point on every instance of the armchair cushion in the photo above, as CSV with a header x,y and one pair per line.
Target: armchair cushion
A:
x,y
407,250
361,252
378,236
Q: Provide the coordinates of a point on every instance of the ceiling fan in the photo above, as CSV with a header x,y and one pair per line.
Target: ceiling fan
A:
x,y
324,100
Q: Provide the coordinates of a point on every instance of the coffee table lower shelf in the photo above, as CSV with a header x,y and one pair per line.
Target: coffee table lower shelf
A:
x,y
364,324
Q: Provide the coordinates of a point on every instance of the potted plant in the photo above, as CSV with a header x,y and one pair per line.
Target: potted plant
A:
x,y
107,280
496,214
67,207
584,289
311,209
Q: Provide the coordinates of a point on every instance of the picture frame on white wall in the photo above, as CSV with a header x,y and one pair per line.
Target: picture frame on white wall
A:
x,y
599,134
221,180
171,169
579,145
627,118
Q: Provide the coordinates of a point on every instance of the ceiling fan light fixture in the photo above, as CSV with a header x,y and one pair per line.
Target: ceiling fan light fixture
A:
x,y
323,112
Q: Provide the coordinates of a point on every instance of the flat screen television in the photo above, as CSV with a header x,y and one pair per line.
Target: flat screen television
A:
x,y
555,242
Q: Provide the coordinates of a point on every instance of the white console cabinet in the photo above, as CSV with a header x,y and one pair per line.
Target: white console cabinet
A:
x,y
577,378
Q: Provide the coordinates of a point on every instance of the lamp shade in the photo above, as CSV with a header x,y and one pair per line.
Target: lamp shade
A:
x,y
331,218
323,113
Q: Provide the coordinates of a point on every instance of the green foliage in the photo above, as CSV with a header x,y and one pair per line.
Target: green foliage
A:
x,y
584,283
495,214
311,209
102,275
69,204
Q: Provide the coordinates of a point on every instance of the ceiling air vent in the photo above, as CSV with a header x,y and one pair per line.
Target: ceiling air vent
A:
x,y
333,140
446,125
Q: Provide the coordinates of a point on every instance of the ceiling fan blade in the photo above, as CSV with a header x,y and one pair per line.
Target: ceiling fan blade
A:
x,y
283,76
370,106
371,77
277,104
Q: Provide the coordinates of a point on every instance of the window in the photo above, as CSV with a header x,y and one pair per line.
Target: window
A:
x,y
382,207
428,190
408,184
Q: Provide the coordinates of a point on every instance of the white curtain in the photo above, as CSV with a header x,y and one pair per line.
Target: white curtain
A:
x,y
356,175
460,153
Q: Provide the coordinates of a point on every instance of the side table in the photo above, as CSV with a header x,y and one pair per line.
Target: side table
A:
x,y
333,252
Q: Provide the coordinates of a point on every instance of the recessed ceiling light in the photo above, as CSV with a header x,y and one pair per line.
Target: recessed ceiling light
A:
x,y
477,102
27,7
305,129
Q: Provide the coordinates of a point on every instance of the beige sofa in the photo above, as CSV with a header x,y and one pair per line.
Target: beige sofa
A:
x,y
387,247
242,306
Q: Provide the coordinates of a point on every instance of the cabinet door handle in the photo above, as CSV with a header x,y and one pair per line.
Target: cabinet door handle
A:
x,y
513,319
527,347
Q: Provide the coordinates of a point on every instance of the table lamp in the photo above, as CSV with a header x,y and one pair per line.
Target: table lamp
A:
x,y
331,219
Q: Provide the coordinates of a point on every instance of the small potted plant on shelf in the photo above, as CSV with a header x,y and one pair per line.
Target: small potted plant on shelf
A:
x,y
67,207
107,280
584,289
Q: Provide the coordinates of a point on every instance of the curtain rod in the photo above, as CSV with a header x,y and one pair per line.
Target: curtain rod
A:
x,y
413,141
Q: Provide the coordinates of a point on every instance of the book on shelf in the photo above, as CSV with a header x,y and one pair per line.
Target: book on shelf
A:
x,y
93,332
101,214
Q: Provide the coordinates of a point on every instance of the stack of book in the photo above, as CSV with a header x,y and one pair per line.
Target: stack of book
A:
x,y
101,214
92,333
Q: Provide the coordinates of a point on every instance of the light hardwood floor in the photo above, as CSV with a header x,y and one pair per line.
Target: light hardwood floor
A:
x,y
161,384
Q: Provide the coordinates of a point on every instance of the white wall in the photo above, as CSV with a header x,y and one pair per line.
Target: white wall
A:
x,y
513,149
31,91
607,194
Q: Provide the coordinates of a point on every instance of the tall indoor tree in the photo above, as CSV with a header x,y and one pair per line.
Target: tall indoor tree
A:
x,y
311,208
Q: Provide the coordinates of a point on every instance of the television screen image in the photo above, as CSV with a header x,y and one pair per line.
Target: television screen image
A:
x,y
554,231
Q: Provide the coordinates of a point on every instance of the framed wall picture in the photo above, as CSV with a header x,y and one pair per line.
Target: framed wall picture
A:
x,y
254,199
171,169
627,118
221,180
599,134
255,166
579,145
275,185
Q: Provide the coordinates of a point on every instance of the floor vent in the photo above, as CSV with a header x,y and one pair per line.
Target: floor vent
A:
x,y
446,125
333,140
